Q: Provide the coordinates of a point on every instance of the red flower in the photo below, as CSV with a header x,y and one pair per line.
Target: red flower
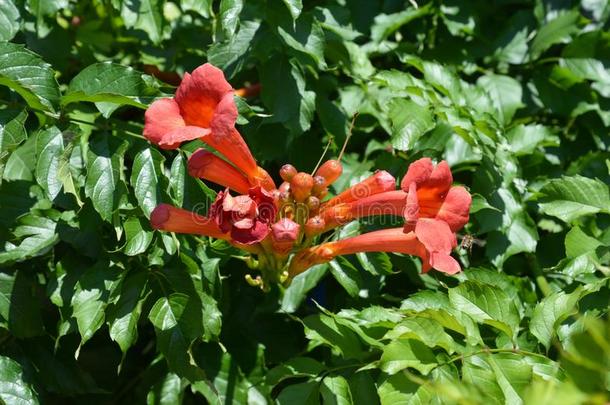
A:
x,y
284,234
246,217
432,196
203,108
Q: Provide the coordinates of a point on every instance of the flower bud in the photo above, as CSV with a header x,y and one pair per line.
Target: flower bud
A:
x,y
284,234
301,185
313,203
330,170
284,187
319,184
287,172
314,226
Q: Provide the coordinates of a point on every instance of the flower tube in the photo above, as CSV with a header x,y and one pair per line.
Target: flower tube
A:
x,y
205,165
379,182
168,218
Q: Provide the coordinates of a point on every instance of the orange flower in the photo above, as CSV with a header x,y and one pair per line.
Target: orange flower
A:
x,y
206,165
434,252
203,108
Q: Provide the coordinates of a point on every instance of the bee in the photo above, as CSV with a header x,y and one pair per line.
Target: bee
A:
x,y
468,241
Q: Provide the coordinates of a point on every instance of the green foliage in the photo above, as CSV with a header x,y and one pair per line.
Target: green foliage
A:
x,y
96,306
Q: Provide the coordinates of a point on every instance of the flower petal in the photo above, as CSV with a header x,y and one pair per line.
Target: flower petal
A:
x,y
411,211
251,235
418,172
199,94
435,235
205,165
164,126
455,209
445,263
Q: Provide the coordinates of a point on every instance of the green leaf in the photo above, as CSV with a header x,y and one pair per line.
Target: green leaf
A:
x,y
300,286
506,95
44,8
325,329
10,20
167,391
231,55
386,24
177,321
335,390
122,317
90,299
501,377
557,30
579,243
145,173
590,69
12,133
550,312
202,7
525,138
407,353
228,16
571,197
103,176
145,15
110,86
300,394
13,387
295,7
346,275
26,73
50,148
409,121
295,367
286,95
305,36
19,305
37,237
137,238
399,389
486,304
428,331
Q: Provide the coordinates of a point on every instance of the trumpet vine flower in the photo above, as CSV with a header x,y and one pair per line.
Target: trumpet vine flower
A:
x,y
282,227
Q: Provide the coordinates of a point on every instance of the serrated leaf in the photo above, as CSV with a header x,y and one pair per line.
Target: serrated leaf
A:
x,y
300,286
37,235
110,85
295,367
335,390
305,36
123,317
486,304
557,30
550,312
13,388
295,7
146,15
145,174
506,95
137,238
286,95
407,353
103,176
571,197
26,73
49,150
231,55
386,24
10,20
202,7
229,15
409,122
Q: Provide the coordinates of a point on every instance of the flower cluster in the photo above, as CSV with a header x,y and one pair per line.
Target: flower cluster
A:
x,y
281,226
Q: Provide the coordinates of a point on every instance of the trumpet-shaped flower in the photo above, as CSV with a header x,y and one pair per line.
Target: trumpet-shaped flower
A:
x,y
246,217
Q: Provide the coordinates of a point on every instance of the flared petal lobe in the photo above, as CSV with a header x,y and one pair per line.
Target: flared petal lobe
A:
x,y
164,126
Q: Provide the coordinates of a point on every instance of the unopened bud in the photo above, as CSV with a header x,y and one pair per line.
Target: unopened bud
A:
x,y
287,172
284,187
330,170
301,185
284,234
313,203
314,226
319,184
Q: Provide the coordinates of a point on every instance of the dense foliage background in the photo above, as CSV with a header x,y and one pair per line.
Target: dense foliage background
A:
x,y
95,306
